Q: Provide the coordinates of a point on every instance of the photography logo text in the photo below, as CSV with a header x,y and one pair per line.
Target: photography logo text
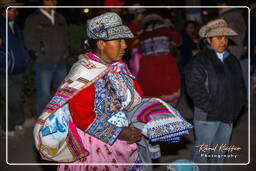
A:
x,y
219,150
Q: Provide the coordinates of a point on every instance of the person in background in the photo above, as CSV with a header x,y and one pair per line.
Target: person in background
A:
x,y
189,47
113,3
234,17
176,36
215,84
253,53
134,25
46,36
119,11
158,73
18,58
190,43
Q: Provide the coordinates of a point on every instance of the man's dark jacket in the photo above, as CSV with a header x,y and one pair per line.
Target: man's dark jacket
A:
x,y
216,88
48,41
17,54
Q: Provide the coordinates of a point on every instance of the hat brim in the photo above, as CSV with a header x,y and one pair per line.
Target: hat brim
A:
x,y
119,32
221,31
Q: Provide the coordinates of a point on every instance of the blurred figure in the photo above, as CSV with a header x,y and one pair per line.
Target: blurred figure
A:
x,y
215,84
135,24
133,44
190,43
119,11
46,36
253,51
189,47
17,62
234,17
175,49
113,3
158,74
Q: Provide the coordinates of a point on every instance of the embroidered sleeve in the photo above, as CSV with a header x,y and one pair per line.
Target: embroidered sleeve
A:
x,y
84,116
104,131
101,128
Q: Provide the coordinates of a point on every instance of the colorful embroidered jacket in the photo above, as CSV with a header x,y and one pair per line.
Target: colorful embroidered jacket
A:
x,y
82,106
92,113
93,107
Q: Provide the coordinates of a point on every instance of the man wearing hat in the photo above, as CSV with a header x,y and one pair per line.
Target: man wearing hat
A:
x,y
215,84
17,62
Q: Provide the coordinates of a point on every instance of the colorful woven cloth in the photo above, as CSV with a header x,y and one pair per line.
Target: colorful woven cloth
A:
x,y
54,133
158,120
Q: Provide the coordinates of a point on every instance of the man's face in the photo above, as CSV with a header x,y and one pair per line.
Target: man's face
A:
x,y
49,3
12,14
218,43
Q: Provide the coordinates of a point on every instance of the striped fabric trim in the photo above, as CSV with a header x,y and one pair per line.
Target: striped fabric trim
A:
x,y
155,108
83,80
40,121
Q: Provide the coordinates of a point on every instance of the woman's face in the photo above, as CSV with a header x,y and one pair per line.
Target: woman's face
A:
x,y
190,29
113,50
218,43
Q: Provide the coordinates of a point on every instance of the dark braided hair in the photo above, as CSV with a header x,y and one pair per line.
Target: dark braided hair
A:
x,y
90,45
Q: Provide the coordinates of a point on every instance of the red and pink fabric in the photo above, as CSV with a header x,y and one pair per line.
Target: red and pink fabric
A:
x,y
113,3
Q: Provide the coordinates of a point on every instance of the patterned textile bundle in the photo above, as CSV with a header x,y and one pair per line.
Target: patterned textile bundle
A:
x,y
158,120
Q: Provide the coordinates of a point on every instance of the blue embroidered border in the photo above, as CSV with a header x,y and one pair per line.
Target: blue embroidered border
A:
x,y
100,128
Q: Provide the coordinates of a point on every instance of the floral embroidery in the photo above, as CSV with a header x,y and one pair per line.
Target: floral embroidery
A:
x,y
113,160
119,153
98,151
90,140
66,168
109,152
107,168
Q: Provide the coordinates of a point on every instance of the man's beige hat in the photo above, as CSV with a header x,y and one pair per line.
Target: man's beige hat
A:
x,y
218,27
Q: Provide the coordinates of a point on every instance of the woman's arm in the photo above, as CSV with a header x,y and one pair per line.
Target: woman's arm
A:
x,y
81,108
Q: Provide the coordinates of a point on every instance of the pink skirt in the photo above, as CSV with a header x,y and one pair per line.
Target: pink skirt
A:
x,y
100,152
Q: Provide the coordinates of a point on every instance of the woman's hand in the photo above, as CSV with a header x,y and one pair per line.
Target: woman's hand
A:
x,y
131,135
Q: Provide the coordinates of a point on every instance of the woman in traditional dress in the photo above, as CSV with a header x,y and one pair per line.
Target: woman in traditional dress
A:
x,y
95,89
158,73
98,116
